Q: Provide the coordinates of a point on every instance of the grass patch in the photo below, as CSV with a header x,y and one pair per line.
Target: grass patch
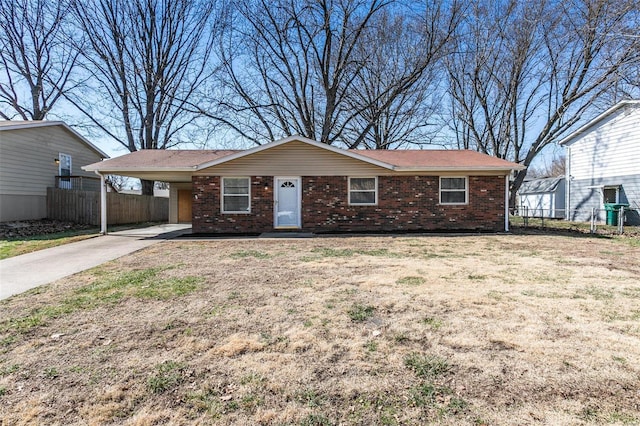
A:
x,y
411,280
427,366
243,254
315,420
310,398
9,369
106,289
11,247
167,376
598,293
16,247
331,252
433,323
359,313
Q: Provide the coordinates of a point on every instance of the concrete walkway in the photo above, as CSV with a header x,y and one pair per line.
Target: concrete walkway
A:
x,y
22,273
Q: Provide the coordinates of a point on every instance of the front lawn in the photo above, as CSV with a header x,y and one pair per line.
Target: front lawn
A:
x,y
388,330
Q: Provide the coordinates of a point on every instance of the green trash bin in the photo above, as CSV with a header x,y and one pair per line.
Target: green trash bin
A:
x,y
613,210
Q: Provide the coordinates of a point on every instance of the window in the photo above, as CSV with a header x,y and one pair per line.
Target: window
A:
x,y
611,194
235,195
453,190
64,170
363,191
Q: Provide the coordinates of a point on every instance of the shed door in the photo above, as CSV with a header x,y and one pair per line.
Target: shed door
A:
x,y
287,202
184,205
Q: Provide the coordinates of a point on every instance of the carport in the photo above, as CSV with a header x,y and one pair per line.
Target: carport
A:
x,y
174,167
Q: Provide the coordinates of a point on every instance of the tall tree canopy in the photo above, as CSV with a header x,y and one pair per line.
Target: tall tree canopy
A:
x,y
145,59
313,67
524,73
36,61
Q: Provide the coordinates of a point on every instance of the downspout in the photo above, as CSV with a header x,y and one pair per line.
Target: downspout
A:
x,y
103,204
506,203
567,183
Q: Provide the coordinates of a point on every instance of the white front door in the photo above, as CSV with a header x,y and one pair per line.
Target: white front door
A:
x,y
287,202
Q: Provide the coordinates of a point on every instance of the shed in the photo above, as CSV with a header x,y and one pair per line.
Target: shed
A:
x,y
543,197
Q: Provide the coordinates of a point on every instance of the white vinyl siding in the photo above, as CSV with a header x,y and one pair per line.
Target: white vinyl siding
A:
x,y
454,190
363,191
611,148
236,195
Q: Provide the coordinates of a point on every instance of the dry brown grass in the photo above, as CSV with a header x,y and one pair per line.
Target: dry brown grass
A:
x,y
356,330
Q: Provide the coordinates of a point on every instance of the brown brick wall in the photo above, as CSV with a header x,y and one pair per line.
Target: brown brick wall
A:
x,y
405,203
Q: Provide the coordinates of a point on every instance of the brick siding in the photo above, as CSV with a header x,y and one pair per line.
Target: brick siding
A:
x,y
405,203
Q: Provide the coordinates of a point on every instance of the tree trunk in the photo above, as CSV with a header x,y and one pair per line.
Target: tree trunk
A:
x,y
147,186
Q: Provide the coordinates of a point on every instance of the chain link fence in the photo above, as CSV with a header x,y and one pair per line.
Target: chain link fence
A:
x,y
601,221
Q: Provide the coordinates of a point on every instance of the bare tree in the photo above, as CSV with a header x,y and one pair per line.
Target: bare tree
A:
x,y
553,168
526,72
36,62
146,59
302,67
393,94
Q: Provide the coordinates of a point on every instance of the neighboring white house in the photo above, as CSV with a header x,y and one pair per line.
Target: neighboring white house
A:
x,y
543,197
603,163
35,155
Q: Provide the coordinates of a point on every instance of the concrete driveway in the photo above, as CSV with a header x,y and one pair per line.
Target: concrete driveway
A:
x,y
21,273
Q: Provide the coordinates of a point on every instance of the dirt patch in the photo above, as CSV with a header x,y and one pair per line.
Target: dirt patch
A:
x,y
31,228
529,329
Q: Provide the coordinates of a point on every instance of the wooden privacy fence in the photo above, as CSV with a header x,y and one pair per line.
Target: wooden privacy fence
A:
x,y
84,207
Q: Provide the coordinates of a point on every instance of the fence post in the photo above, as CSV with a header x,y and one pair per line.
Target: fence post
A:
x,y
542,219
593,221
621,220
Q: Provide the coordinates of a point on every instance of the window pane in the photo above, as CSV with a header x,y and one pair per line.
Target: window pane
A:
x,y
453,197
453,183
359,184
363,197
610,195
236,204
236,185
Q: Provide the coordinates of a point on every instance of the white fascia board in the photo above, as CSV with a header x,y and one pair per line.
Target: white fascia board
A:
x,y
459,169
294,139
567,140
88,168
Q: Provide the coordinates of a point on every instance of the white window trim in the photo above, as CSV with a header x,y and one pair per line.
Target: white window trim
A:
x,y
376,191
61,163
222,195
466,190
616,188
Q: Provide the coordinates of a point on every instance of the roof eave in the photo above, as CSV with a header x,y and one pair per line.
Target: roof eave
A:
x,y
596,120
459,169
115,170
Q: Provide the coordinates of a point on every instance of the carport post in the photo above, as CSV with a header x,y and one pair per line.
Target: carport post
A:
x,y
103,204
506,203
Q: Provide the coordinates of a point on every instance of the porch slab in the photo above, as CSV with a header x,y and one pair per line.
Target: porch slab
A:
x,y
287,235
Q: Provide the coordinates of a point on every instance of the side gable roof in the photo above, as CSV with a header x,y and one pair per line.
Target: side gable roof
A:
x,y
33,124
439,160
616,109
542,185
191,161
